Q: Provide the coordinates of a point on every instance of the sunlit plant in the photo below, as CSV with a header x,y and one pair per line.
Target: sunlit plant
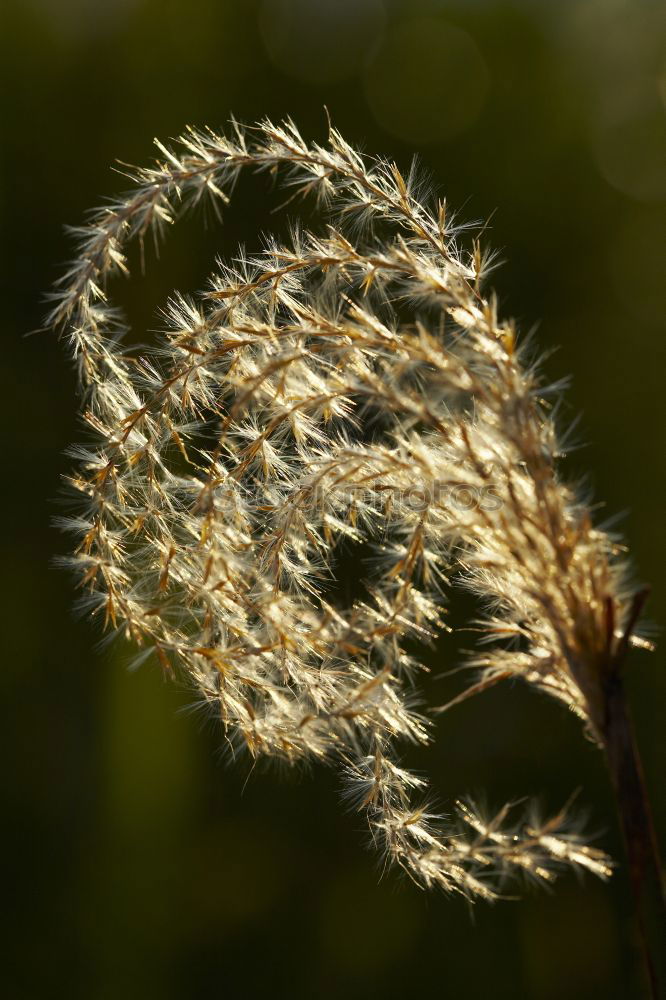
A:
x,y
341,386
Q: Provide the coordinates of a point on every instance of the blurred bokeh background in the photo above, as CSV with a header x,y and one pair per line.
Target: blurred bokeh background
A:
x,y
139,864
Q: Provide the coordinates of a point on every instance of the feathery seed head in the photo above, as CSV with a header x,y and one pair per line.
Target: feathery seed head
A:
x,y
301,400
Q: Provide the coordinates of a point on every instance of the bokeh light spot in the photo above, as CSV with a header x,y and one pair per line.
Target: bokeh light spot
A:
x,y
631,155
427,81
77,21
324,41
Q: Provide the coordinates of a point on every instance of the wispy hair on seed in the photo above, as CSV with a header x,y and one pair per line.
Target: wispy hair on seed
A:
x,y
294,403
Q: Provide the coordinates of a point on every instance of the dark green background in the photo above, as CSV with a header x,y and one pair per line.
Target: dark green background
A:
x,y
139,865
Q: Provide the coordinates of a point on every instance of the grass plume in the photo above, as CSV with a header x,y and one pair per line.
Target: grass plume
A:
x,y
345,385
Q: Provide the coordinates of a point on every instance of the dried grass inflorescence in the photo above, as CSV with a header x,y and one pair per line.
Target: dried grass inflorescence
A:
x,y
295,403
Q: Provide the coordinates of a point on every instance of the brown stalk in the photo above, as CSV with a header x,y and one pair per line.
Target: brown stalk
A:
x,y
634,810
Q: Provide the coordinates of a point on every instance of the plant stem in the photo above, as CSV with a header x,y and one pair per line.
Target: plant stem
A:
x,y
635,814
